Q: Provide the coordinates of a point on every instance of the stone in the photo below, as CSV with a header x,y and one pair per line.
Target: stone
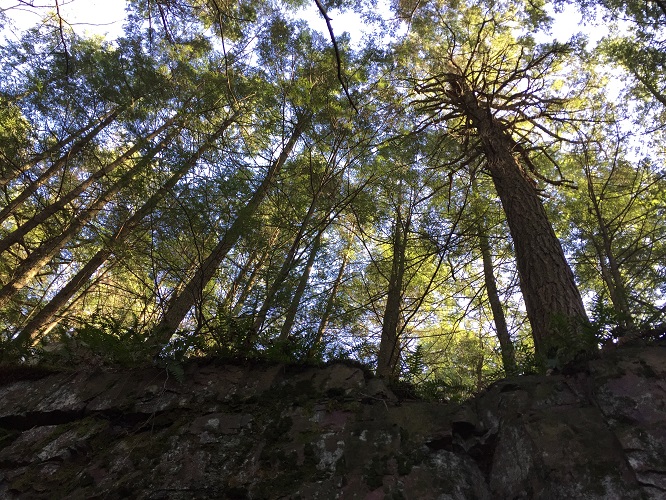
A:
x,y
276,431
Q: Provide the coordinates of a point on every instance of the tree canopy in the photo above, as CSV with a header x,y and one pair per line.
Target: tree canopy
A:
x,y
456,197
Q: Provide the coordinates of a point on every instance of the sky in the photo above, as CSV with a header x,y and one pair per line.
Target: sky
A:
x,y
105,17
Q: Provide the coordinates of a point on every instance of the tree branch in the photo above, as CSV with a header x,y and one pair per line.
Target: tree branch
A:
x,y
337,52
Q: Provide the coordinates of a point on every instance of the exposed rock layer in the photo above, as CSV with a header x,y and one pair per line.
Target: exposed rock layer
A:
x,y
230,431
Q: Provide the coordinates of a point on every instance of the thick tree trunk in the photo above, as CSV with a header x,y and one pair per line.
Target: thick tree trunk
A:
x,y
290,316
47,313
547,282
183,302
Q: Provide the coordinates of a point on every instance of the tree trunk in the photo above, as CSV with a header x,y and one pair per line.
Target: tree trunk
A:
x,y
46,314
506,345
49,172
323,324
389,346
18,234
7,176
283,273
610,270
546,280
45,252
290,316
183,302
249,283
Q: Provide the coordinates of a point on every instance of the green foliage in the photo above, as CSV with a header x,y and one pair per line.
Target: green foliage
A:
x,y
569,343
107,340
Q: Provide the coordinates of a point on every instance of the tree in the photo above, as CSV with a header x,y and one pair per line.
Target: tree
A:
x,y
476,86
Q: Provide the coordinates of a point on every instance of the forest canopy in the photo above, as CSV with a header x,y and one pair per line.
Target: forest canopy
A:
x,y
456,197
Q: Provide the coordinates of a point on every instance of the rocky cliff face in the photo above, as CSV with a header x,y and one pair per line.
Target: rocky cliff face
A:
x,y
229,431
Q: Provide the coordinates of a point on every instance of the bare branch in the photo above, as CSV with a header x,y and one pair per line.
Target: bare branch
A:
x,y
337,52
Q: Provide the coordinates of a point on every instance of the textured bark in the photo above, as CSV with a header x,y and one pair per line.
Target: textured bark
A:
x,y
19,233
46,315
183,302
60,162
290,316
546,280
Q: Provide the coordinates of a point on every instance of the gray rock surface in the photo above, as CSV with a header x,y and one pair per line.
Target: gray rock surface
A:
x,y
227,431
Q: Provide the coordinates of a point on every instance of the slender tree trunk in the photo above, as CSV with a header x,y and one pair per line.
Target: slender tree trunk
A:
x,y
610,270
546,280
183,302
506,345
9,175
46,315
389,346
19,233
249,283
290,316
328,310
60,162
45,252
284,271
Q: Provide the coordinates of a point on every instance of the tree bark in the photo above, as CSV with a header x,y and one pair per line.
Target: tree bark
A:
x,y
546,280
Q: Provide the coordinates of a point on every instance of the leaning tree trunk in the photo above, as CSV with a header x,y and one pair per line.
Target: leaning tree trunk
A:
x,y
284,271
501,328
237,303
183,302
610,269
45,252
60,162
290,316
46,315
8,175
21,231
328,310
549,290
